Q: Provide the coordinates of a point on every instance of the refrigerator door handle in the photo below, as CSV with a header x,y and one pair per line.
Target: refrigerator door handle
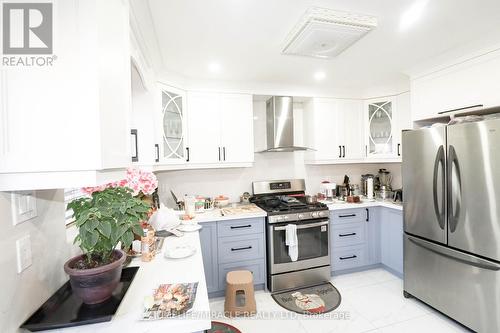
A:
x,y
439,211
453,211
455,255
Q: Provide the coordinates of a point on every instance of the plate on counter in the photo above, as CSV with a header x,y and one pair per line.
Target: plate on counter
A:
x,y
189,227
180,251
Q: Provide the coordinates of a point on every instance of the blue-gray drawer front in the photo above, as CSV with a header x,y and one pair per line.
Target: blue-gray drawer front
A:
x,y
238,248
257,267
240,227
349,215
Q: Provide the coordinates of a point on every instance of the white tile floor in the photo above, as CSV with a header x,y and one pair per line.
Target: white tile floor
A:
x,y
372,301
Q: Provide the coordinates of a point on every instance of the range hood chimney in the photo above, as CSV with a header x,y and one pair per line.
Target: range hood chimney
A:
x,y
280,128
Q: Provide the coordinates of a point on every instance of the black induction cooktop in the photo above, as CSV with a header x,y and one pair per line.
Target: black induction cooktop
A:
x,y
64,309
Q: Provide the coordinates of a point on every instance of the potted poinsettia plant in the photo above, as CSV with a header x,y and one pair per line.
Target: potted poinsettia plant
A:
x,y
109,216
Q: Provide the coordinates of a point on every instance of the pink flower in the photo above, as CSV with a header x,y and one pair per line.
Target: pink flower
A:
x,y
137,180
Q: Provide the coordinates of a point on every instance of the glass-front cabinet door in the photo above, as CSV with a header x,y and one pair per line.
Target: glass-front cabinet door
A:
x,y
172,148
380,128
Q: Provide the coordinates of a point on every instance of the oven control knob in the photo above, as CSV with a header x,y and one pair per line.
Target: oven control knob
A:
x,y
315,215
300,216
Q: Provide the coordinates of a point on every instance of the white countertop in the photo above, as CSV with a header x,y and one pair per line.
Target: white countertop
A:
x,y
149,276
338,204
215,215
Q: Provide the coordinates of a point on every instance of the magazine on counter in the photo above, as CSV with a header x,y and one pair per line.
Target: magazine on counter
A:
x,y
169,300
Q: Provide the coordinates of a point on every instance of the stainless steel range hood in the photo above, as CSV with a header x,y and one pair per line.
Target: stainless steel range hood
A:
x,y
280,128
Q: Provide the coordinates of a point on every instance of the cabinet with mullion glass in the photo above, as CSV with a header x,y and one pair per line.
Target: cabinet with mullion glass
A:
x,y
380,128
172,148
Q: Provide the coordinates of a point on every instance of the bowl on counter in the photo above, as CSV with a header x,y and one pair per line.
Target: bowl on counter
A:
x,y
221,201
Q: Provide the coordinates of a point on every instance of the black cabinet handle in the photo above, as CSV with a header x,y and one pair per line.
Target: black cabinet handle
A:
x,y
187,151
135,155
241,226
157,152
343,148
367,215
399,150
350,257
340,151
346,235
349,215
240,248
224,153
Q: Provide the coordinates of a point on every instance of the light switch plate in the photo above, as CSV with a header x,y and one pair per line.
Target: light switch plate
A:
x,y
23,206
23,250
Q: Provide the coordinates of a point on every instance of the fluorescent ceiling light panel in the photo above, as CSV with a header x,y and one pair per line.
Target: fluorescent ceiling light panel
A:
x,y
325,33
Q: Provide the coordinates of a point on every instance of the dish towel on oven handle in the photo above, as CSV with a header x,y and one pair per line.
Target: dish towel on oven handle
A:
x,y
291,241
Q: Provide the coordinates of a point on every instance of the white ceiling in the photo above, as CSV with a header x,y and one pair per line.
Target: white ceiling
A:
x,y
245,38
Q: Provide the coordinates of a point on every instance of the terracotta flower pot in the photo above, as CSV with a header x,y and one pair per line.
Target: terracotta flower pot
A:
x,y
95,285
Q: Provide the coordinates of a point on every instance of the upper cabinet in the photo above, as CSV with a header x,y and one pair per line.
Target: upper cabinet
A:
x,y
355,131
457,86
220,128
68,124
380,128
332,129
172,130
385,120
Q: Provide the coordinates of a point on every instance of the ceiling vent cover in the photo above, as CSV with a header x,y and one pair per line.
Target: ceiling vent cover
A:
x,y
325,33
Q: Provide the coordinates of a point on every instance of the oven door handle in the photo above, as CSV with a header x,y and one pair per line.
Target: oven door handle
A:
x,y
304,226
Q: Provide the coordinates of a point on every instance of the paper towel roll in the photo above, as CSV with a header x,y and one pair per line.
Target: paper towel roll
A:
x,y
369,188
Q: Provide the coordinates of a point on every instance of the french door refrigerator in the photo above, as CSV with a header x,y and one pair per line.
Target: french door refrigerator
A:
x,y
451,186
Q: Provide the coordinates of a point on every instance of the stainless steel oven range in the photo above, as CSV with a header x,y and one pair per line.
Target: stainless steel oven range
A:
x,y
284,201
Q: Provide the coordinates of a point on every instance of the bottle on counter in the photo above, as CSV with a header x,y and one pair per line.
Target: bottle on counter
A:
x,y
148,244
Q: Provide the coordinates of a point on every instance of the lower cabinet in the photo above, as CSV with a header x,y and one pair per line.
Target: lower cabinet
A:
x,y
233,245
391,239
208,240
366,236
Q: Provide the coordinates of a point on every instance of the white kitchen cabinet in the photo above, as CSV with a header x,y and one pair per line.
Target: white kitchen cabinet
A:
x,y
237,128
379,114
333,128
220,128
171,121
68,124
460,85
385,119
402,121
350,126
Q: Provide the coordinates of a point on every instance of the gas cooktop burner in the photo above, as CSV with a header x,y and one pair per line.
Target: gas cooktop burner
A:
x,y
286,204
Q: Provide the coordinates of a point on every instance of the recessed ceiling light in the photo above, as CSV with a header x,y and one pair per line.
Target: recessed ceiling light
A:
x,y
319,76
214,67
412,14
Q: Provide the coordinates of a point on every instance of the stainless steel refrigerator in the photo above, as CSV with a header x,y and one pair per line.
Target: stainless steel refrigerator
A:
x,y
451,188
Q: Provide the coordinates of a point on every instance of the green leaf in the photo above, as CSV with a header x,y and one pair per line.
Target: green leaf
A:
x,y
136,228
127,239
104,228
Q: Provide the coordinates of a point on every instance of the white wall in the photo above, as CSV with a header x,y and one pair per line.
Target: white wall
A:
x,y
267,166
23,293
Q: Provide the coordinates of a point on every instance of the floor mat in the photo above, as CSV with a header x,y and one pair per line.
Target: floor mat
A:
x,y
219,327
310,300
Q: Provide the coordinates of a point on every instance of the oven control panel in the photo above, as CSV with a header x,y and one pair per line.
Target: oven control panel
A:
x,y
280,186
298,216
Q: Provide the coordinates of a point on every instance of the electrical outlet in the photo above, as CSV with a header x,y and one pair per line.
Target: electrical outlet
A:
x,y
23,206
24,258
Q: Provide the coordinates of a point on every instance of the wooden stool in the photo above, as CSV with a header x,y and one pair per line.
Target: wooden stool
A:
x,y
240,297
